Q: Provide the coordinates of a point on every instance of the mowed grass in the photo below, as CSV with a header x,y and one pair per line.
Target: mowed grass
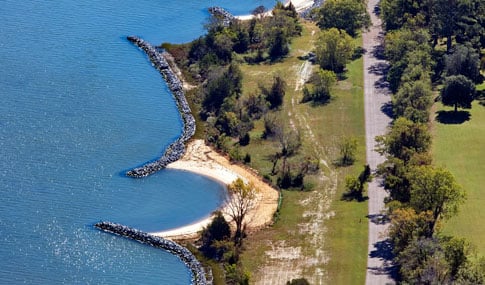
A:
x,y
345,227
461,149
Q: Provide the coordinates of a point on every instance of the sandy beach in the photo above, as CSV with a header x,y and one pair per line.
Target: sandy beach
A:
x,y
201,159
300,5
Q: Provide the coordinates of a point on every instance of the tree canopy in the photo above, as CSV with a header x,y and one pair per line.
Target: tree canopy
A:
x,y
240,200
347,15
405,139
435,190
334,49
458,91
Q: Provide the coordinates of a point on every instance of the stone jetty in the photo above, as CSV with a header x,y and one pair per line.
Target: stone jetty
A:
x,y
198,273
177,149
222,14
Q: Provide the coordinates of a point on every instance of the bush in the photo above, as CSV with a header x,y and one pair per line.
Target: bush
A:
x,y
348,147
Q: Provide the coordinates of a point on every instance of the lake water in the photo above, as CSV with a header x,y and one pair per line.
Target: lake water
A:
x,y
80,105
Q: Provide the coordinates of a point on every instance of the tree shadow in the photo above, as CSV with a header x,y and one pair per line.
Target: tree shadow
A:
x,y
452,117
379,68
387,109
379,219
383,250
377,9
358,53
378,51
382,84
481,97
354,196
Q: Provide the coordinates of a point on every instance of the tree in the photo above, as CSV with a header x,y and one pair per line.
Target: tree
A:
x,y
221,85
240,200
278,46
396,13
407,225
217,230
321,86
447,17
275,95
404,140
256,105
347,15
348,147
435,190
424,262
465,61
334,49
413,101
458,91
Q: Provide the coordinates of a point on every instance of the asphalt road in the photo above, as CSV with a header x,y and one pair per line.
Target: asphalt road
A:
x,y
377,99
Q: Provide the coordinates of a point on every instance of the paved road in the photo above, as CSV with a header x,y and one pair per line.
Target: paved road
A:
x,y
376,121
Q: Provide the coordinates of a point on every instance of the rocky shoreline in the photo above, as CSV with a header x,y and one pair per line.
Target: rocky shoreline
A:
x,y
175,150
198,273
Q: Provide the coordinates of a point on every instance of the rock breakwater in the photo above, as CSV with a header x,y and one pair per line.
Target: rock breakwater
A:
x,y
222,14
177,149
198,273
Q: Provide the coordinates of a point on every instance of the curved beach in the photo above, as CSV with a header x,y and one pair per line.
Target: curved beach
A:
x,y
300,6
202,159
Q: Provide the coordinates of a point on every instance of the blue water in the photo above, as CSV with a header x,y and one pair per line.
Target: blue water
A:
x,y
80,105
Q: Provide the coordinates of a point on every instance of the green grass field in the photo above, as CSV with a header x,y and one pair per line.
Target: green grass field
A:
x,y
461,149
345,226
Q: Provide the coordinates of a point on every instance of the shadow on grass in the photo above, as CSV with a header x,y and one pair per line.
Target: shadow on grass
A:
x,y
358,53
481,97
452,117
354,196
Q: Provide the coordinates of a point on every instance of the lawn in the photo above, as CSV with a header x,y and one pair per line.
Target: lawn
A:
x,y
460,148
337,248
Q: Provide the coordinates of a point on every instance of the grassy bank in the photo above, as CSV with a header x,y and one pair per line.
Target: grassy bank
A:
x,y
460,148
317,236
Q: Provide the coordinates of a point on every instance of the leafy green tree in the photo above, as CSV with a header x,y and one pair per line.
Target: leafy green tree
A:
x,y
348,147
401,42
413,101
465,61
275,95
217,230
221,84
405,139
447,17
321,86
240,200
278,46
347,15
408,52
255,105
435,190
424,262
472,273
458,91
397,13
236,275
334,49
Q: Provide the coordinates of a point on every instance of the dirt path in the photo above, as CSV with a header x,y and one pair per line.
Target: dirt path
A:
x,y
376,99
284,260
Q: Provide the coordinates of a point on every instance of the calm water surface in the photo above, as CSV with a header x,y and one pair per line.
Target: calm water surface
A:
x,y
79,106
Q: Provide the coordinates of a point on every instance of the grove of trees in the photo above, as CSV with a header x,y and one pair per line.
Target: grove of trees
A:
x,y
428,43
